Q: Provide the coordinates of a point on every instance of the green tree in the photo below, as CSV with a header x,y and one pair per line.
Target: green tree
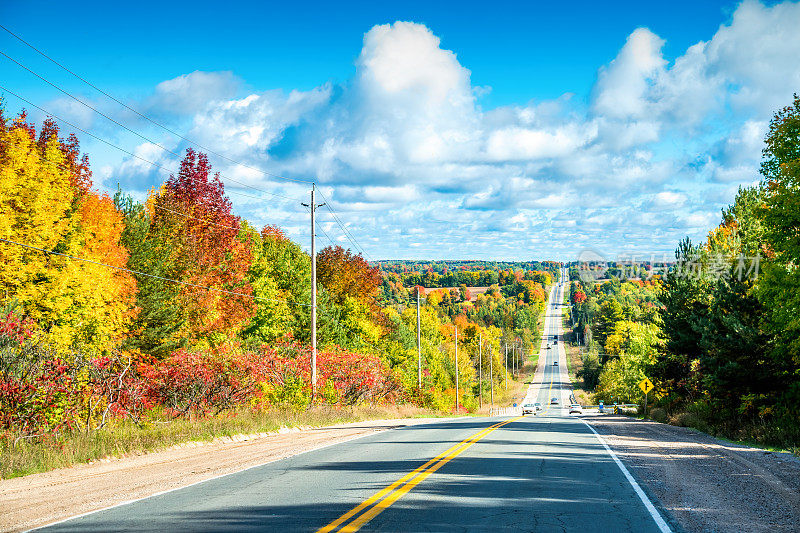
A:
x,y
779,288
155,329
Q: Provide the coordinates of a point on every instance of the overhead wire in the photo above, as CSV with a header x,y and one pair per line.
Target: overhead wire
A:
x,y
346,232
152,121
134,155
128,152
123,126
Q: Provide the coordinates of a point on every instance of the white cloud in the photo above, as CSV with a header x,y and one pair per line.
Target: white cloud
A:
x,y
669,199
191,93
623,86
515,143
406,144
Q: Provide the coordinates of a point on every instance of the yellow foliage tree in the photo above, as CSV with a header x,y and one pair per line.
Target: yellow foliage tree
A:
x,y
45,202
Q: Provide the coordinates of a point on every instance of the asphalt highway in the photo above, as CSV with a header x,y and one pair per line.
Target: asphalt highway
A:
x,y
547,472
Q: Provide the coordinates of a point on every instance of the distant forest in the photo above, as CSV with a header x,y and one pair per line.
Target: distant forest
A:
x,y
400,266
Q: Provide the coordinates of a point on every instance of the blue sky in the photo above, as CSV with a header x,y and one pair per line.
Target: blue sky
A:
x,y
513,130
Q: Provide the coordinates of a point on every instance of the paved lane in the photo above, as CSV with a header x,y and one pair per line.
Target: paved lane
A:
x,y
543,473
534,474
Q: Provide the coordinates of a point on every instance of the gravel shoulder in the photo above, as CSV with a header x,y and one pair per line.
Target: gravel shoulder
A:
x,y
41,499
706,484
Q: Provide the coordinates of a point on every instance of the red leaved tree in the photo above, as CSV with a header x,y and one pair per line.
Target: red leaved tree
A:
x,y
196,212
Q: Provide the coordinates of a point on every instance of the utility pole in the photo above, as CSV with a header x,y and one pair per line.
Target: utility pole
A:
x,y
480,370
456,329
491,377
313,207
506,365
514,359
419,348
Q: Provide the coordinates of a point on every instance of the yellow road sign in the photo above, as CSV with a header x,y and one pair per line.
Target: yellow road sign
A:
x,y
646,385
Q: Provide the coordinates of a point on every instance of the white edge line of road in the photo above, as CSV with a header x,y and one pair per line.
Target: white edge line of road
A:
x,y
660,522
128,502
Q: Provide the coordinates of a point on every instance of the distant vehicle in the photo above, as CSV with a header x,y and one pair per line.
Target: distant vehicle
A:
x,y
555,337
537,406
555,363
528,408
555,342
553,401
575,408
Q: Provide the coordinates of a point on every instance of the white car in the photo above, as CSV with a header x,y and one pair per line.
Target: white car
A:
x,y
575,408
528,408
537,406
553,401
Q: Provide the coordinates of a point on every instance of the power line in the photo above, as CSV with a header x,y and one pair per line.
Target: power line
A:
x,y
346,232
154,143
150,275
165,128
157,206
284,220
128,152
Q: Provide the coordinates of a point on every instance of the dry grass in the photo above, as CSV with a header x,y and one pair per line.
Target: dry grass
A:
x,y
27,456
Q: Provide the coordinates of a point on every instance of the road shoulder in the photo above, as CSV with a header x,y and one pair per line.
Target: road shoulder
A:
x,y
48,497
706,484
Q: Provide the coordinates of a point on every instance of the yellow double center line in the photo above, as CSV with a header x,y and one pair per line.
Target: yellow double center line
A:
x,y
382,499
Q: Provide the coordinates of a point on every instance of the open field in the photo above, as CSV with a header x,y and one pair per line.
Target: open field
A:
x,y
473,291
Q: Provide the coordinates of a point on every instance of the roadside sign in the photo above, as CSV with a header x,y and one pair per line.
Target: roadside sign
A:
x,y
646,385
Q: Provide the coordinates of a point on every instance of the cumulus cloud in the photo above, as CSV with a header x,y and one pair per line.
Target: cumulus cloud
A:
x,y
623,86
191,93
405,147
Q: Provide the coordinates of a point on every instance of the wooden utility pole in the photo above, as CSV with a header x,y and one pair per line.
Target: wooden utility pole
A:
x,y
456,329
491,377
480,370
514,359
313,206
419,348
506,365
313,300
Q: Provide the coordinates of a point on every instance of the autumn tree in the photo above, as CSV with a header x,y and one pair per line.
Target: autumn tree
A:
x,y
280,275
191,209
343,274
156,328
46,201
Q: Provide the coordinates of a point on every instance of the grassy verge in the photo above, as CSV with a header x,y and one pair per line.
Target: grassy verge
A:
x,y
125,438
689,420
794,450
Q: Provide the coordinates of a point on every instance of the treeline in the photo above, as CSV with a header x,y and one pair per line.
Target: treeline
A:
x,y
722,347
402,266
471,278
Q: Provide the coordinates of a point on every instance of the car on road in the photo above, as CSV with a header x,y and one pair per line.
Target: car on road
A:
x,y
575,408
553,401
537,406
555,363
528,408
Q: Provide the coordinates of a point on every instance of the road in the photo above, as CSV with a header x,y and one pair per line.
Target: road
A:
x,y
547,472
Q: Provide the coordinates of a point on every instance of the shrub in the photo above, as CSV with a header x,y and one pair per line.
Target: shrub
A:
x,y
689,420
659,415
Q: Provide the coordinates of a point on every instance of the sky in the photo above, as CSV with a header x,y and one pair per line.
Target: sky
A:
x,y
447,130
